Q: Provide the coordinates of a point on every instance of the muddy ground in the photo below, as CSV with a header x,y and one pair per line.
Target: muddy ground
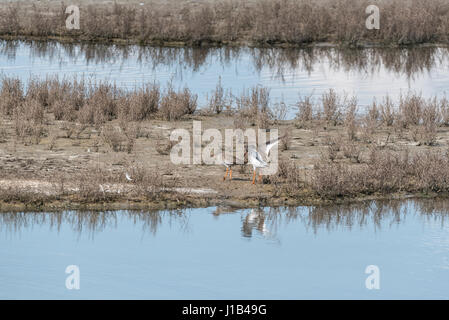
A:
x,y
37,169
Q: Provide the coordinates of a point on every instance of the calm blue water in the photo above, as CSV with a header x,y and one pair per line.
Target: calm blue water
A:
x,y
289,73
245,254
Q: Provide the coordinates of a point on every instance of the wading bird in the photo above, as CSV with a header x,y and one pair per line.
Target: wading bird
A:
x,y
230,164
259,158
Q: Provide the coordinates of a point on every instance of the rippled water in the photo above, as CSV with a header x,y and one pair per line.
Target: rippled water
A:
x,y
229,253
366,73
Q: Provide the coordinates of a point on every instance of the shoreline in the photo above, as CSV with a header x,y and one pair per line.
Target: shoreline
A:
x,y
68,203
222,44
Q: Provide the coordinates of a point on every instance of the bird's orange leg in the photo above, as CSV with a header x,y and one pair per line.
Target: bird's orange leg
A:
x,y
254,177
260,177
230,174
224,178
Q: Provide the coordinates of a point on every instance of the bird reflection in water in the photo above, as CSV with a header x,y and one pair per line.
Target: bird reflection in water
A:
x,y
256,219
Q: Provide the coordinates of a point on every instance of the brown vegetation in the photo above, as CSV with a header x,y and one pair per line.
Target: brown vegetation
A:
x,y
331,150
265,22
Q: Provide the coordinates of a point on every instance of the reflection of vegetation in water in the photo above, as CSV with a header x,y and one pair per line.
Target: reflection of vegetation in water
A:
x,y
409,62
267,22
265,222
91,222
378,214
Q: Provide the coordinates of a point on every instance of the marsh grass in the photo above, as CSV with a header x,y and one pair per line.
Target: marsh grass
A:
x,y
387,112
92,103
413,114
11,95
289,180
264,22
113,137
141,104
29,121
150,183
350,121
305,111
331,107
3,132
175,104
253,109
385,172
220,99
285,142
97,103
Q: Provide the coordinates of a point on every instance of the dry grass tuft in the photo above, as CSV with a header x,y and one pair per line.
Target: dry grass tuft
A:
x,y
331,107
386,172
174,104
253,109
11,95
288,180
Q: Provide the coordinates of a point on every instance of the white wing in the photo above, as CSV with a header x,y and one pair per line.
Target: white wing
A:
x,y
257,160
265,149
270,145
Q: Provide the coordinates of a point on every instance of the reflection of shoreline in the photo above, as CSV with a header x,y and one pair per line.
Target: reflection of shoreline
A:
x,y
279,61
361,214
255,220
266,222
91,222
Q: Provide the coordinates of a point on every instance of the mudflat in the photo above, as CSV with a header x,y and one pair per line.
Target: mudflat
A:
x,y
73,166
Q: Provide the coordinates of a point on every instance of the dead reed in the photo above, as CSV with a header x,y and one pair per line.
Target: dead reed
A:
x,y
175,104
94,104
385,172
289,180
263,22
253,109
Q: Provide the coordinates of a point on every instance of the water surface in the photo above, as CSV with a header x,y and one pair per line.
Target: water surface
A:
x,y
222,253
289,73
